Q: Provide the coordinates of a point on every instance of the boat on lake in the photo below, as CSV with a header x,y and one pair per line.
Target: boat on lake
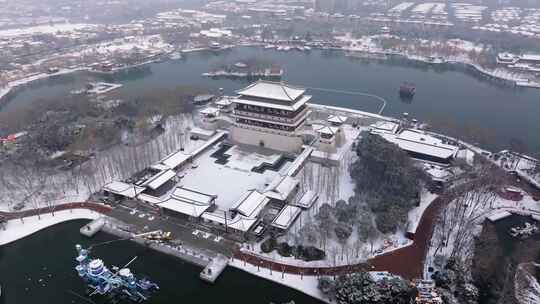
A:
x,y
175,56
119,282
407,90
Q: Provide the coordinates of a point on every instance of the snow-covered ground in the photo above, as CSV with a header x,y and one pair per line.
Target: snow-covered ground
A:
x,y
524,165
44,29
462,219
37,188
334,183
150,45
416,213
451,51
526,286
18,229
124,45
305,284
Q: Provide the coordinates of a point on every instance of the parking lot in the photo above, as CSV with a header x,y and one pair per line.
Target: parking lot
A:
x,y
142,218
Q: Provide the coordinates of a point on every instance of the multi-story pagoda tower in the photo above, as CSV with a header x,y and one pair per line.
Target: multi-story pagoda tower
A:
x,y
270,114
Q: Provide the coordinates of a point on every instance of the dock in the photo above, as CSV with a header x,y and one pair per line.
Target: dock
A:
x,y
499,215
212,271
93,227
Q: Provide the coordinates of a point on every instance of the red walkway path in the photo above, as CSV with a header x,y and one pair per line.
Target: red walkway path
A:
x,y
406,261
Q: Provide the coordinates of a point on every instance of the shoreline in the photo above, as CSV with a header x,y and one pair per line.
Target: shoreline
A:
x,y
15,85
306,284
12,86
15,229
301,283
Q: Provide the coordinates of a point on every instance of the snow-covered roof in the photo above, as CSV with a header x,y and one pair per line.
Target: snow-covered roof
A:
x,y
193,196
211,141
224,101
327,130
506,56
419,142
272,90
307,200
158,179
286,217
202,132
239,222
183,207
281,187
384,126
337,119
279,106
160,167
439,174
123,189
176,159
530,57
203,98
299,162
512,189
250,203
153,200
210,111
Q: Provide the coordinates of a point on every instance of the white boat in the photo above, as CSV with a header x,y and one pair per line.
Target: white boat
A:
x,y
175,56
307,48
240,65
269,46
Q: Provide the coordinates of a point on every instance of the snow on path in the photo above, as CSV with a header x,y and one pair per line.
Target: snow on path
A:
x,y
415,214
17,229
305,284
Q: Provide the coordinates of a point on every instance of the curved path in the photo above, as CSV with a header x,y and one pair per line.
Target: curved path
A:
x,y
406,261
376,97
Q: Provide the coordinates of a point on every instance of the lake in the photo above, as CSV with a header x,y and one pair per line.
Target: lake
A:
x,y
40,269
450,96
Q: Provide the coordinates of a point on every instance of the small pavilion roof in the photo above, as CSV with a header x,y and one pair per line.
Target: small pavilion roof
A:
x,y
337,119
327,130
209,111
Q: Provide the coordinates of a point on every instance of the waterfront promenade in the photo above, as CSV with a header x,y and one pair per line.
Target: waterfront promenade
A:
x,y
406,261
392,261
